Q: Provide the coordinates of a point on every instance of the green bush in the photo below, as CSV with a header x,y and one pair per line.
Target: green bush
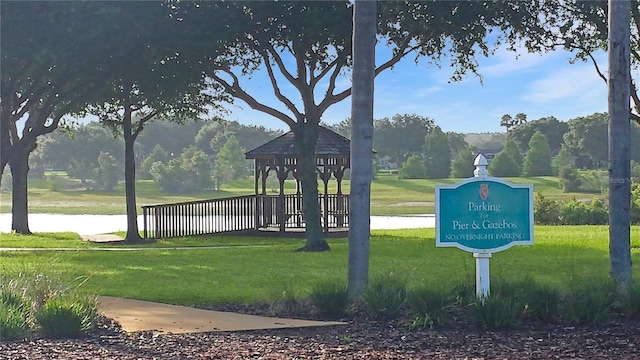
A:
x,y
330,299
429,308
635,203
635,171
67,316
594,181
569,179
14,315
503,164
588,304
546,211
537,161
462,165
580,213
412,168
385,296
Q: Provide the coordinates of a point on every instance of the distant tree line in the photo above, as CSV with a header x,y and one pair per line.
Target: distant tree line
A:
x,y
190,157
530,148
213,151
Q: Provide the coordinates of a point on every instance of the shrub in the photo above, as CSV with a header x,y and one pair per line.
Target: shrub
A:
x,y
588,304
330,299
595,181
14,315
385,296
188,173
412,168
537,161
462,165
562,159
635,203
579,213
508,162
429,308
635,171
437,161
67,316
569,179
108,172
630,302
546,211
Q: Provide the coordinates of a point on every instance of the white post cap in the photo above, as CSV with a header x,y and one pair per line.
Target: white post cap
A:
x,y
481,166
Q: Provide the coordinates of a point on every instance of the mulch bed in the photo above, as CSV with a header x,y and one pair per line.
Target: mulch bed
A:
x,y
362,338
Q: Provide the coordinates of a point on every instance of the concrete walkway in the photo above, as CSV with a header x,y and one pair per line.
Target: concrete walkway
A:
x,y
136,315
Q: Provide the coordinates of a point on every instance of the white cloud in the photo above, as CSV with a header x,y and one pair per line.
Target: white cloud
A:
x,y
578,82
505,62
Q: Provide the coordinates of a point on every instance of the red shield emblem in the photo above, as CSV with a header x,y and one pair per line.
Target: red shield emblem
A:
x,y
484,191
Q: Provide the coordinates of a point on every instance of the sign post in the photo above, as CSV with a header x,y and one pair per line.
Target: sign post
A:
x,y
483,215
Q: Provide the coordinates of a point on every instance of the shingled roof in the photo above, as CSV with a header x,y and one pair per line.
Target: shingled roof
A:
x,y
329,144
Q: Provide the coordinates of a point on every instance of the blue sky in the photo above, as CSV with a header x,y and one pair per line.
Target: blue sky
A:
x,y
538,85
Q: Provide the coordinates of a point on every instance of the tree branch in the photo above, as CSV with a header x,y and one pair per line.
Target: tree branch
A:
x,y
595,64
274,82
141,123
330,98
236,91
403,50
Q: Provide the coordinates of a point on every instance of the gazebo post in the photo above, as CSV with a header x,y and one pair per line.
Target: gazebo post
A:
x,y
339,173
326,176
280,205
256,176
298,208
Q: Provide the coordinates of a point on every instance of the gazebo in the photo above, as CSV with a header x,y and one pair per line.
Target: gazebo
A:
x,y
281,210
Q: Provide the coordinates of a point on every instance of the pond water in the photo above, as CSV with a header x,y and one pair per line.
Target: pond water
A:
x,y
102,224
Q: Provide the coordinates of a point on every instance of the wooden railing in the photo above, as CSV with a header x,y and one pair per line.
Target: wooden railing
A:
x,y
269,215
199,217
251,212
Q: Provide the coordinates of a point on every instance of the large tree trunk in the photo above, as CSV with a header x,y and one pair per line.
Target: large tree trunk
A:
x,y
364,40
5,149
306,137
19,164
619,144
133,234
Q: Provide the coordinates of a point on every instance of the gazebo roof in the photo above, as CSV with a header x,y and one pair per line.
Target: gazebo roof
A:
x,y
329,144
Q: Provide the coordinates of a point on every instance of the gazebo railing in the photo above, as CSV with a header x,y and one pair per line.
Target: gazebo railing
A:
x,y
269,215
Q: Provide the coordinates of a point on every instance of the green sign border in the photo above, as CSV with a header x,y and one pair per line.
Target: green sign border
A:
x,y
526,237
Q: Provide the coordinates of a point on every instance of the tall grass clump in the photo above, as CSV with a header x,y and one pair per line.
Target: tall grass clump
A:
x,y
630,302
385,296
429,308
14,315
588,304
67,316
330,299
501,309
33,301
540,302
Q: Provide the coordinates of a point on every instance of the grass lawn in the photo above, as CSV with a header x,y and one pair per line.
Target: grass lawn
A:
x,y
259,269
389,195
